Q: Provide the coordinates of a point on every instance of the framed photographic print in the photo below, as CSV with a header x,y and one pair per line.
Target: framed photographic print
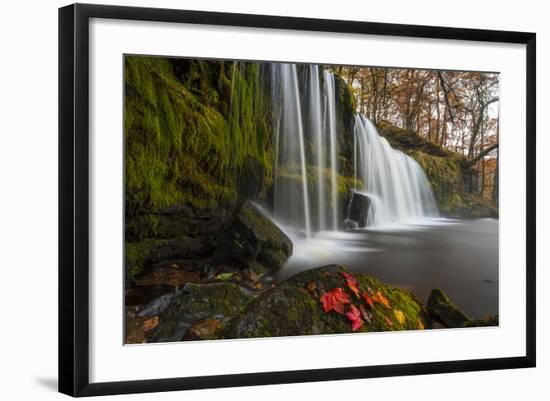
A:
x,y
250,199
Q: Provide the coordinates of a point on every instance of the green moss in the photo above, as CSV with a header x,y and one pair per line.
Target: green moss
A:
x,y
136,256
181,146
442,308
294,308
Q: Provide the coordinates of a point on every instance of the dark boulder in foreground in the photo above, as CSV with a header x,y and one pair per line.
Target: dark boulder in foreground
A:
x,y
443,310
251,239
198,310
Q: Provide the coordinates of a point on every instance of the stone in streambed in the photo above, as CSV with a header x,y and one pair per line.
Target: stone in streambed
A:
x,y
358,209
249,239
442,309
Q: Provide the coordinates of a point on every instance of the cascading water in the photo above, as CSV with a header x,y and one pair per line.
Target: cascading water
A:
x,y
306,159
318,133
291,202
330,104
395,184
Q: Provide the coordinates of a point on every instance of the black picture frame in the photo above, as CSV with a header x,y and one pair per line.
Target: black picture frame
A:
x,y
74,198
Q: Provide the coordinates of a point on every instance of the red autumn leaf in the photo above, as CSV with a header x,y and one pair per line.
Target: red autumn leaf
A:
x,y
368,299
341,296
354,315
334,300
327,300
351,282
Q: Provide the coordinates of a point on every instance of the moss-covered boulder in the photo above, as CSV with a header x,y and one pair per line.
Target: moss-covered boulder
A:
x,y
442,309
195,303
250,239
301,306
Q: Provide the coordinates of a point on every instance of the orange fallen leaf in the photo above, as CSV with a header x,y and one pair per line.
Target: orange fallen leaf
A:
x,y
352,283
382,299
368,299
388,321
150,324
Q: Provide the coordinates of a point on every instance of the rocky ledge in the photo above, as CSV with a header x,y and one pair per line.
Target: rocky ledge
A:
x,y
325,300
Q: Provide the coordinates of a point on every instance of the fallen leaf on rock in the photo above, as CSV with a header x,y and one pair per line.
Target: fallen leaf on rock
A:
x,y
224,276
399,316
382,299
150,324
352,283
354,315
335,300
368,299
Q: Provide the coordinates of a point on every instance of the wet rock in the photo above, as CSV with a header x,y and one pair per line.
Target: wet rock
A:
x,y
157,305
170,276
196,302
350,224
249,239
441,308
203,330
491,320
142,256
180,248
358,208
295,308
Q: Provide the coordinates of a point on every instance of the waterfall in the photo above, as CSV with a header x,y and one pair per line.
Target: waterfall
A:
x,y
291,154
318,133
395,184
330,104
306,170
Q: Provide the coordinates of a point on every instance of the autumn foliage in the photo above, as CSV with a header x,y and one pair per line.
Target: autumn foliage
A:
x,y
358,306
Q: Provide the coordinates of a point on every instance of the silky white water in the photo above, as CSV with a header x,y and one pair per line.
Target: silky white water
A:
x,y
395,184
307,150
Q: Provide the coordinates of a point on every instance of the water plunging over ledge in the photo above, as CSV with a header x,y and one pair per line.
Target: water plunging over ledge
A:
x,y
306,174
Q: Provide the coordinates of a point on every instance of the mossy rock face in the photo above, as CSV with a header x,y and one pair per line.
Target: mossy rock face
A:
x,y
197,302
295,307
249,238
442,309
184,144
141,256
